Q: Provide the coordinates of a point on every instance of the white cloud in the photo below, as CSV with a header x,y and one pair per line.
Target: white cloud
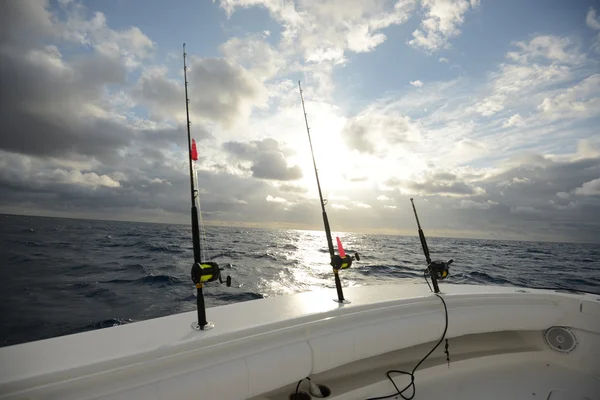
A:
x,y
540,64
548,47
361,40
591,188
131,44
591,19
390,207
491,105
443,60
361,205
382,197
254,54
416,83
515,120
89,179
442,19
470,204
580,100
374,130
340,206
272,199
323,32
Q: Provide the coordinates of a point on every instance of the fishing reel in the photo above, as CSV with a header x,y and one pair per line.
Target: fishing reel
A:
x,y
439,269
208,272
338,262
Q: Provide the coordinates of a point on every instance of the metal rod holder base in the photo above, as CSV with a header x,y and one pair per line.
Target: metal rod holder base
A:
x,y
342,302
207,327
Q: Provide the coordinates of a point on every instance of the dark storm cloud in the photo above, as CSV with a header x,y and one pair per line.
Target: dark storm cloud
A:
x,y
45,102
434,187
268,159
218,90
538,198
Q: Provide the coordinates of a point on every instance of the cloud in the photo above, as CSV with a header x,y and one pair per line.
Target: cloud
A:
x,y
555,49
63,106
255,55
372,131
580,100
591,19
324,32
524,210
340,206
361,205
470,204
591,188
443,60
276,199
416,83
538,66
267,159
292,188
515,120
382,197
491,105
435,188
441,22
220,91
444,176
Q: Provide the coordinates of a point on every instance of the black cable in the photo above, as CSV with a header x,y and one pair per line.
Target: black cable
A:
x,y
412,374
299,382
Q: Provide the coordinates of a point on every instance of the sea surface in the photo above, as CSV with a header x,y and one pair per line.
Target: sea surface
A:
x,y
62,276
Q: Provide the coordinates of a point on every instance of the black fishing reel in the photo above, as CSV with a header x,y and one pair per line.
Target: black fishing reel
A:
x,y
439,269
208,272
338,262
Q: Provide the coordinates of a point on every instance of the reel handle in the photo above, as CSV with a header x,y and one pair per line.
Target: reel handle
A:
x,y
227,280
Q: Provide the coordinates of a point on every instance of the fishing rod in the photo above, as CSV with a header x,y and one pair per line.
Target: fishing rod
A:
x,y
207,271
341,261
436,269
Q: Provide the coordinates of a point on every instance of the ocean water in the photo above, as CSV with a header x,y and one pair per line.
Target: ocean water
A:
x,y
62,276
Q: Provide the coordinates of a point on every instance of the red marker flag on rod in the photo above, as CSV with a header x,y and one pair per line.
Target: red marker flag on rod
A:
x,y
341,251
194,151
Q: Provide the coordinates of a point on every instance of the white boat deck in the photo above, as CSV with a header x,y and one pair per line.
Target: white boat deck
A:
x,y
260,347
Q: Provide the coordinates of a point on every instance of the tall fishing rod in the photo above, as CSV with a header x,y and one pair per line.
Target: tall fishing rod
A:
x,y
193,190
207,271
341,261
421,234
436,269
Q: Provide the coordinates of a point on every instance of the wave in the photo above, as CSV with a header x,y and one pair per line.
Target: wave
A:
x,y
287,246
537,251
149,280
264,255
107,323
388,270
232,297
480,277
164,248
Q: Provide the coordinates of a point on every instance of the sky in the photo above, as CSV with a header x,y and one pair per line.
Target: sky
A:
x,y
486,112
